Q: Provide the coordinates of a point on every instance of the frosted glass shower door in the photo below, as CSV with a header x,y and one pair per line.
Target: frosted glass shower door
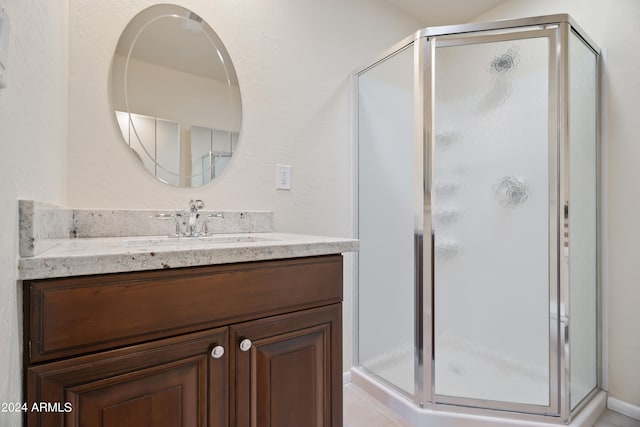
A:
x,y
492,200
582,219
387,191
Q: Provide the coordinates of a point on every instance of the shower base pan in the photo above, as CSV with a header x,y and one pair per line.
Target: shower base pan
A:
x,y
442,415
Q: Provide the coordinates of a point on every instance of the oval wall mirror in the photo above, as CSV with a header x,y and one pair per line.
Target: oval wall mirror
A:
x,y
175,95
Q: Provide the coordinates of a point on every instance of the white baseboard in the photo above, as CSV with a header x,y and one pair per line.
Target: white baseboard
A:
x,y
623,407
346,377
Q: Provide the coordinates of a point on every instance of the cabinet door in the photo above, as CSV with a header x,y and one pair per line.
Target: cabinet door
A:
x,y
170,382
289,370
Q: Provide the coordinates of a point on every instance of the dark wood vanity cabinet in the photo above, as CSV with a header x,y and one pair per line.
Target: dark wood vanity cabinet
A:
x,y
164,383
288,376
247,345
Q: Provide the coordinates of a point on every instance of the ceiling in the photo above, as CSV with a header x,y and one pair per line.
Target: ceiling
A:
x,y
444,12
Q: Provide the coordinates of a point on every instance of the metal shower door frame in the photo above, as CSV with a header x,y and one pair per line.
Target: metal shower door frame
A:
x,y
424,42
427,392
408,43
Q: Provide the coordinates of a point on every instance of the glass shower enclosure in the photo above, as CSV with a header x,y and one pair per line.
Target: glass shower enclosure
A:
x,y
477,195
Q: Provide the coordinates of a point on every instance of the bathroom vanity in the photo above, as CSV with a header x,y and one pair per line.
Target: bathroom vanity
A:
x,y
256,341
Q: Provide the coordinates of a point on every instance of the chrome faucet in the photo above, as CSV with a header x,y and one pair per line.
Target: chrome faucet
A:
x,y
191,226
187,224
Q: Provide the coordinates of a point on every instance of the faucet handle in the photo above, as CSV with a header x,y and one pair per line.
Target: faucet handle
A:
x,y
163,216
196,204
210,216
171,216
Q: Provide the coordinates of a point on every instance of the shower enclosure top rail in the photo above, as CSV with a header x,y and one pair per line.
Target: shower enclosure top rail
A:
x,y
501,24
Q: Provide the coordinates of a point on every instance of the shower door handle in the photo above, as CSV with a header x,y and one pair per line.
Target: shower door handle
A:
x,y
564,328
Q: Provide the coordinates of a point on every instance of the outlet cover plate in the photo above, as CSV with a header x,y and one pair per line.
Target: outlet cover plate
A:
x,y
283,177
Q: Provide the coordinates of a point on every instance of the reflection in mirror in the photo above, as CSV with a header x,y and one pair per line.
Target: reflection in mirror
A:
x,y
175,95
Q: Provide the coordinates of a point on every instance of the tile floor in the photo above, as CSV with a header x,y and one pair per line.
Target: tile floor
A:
x,y
361,410
614,419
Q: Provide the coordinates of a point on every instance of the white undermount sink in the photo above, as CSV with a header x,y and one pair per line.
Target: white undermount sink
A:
x,y
195,241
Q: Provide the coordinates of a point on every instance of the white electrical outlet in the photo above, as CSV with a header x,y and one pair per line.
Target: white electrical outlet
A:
x,y
283,177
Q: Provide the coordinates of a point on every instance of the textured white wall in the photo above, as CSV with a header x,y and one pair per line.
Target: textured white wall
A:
x,y
612,25
33,117
293,59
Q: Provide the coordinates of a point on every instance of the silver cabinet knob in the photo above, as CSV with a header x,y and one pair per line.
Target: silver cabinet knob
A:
x,y
245,344
217,352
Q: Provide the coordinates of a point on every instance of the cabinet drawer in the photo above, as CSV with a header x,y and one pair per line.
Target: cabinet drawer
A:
x,y
78,315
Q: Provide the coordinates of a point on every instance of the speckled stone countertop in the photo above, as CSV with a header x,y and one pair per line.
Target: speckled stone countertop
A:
x,y
74,257
61,242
